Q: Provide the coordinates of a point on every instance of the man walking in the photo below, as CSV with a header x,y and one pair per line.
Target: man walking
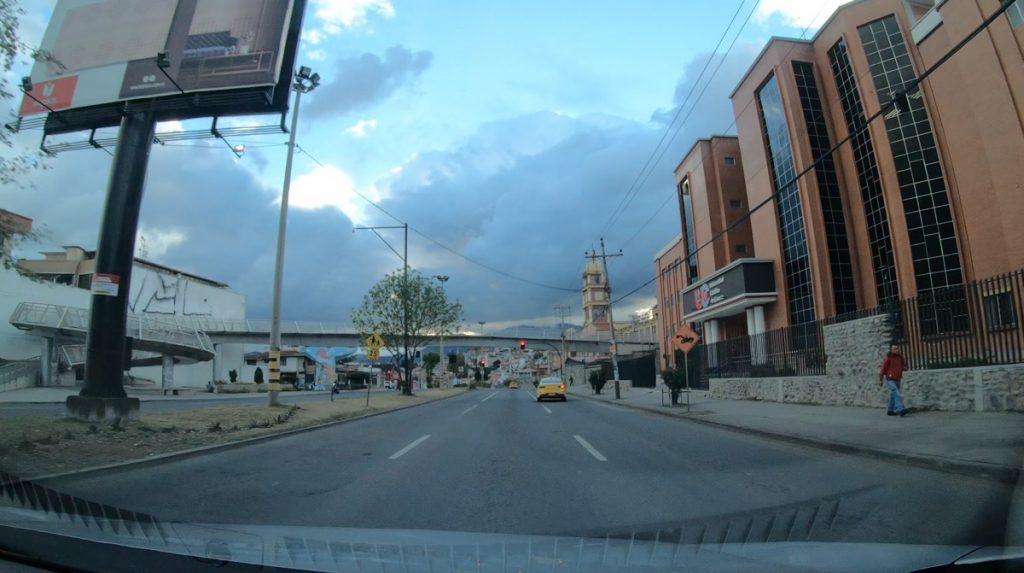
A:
x,y
891,374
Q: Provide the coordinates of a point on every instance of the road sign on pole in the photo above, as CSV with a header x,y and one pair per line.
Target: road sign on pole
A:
x,y
373,354
685,339
374,341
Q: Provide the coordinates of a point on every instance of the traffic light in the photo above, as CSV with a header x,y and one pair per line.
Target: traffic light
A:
x,y
483,362
522,344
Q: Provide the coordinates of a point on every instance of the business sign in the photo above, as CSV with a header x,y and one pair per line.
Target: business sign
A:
x,y
105,51
743,277
104,284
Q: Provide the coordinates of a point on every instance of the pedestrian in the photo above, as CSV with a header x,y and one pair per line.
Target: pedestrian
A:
x,y
891,375
571,381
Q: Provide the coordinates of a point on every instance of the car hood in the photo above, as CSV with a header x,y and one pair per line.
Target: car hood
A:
x,y
86,542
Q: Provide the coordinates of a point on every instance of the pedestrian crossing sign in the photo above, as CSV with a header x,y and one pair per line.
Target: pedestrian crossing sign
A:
x,y
374,341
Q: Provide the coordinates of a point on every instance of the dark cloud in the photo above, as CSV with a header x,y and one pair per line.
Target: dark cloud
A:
x,y
360,81
526,195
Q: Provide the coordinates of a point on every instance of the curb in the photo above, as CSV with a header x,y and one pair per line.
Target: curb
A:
x,y
201,450
997,473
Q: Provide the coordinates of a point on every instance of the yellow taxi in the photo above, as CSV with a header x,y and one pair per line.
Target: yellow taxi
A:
x,y
552,388
513,385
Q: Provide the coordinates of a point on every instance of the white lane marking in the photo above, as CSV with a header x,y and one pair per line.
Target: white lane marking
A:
x,y
532,395
545,408
406,449
593,451
488,398
470,408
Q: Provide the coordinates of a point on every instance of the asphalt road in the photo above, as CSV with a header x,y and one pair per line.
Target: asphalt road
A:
x,y
16,409
497,461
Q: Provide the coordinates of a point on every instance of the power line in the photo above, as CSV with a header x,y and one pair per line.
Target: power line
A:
x,y
679,127
631,189
894,98
439,243
732,123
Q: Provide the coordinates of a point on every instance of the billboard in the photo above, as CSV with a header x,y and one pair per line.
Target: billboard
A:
x,y
105,51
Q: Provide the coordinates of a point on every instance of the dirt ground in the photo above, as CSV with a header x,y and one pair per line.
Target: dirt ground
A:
x,y
35,446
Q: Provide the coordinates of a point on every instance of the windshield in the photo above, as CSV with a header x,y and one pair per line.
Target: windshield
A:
x,y
742,274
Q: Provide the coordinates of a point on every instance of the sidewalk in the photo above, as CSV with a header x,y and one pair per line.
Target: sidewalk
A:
x,y
978,444
58,395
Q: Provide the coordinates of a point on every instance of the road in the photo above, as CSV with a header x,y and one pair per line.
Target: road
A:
x,y
497,461
17,409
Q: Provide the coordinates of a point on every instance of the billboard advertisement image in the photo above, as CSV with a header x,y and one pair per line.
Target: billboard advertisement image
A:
x,y
105,51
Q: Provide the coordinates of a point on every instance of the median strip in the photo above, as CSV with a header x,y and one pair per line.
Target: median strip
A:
x,y
34,446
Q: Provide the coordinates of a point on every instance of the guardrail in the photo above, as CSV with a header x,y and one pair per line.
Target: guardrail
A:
x,y
144,328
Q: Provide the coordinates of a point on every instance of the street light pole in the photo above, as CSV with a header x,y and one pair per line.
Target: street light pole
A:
x,y
611,318
305,81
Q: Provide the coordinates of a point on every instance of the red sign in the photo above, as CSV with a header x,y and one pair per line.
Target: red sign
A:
x,y
105,284
56,94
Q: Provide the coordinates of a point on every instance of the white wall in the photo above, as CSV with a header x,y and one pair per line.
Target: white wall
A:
x,y
152,293
15,288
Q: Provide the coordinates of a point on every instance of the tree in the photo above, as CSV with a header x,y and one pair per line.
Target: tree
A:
x,y
11,47
408,313
430,360
257,376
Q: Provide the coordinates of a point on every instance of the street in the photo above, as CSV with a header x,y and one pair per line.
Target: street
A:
x,y
497,461
17,409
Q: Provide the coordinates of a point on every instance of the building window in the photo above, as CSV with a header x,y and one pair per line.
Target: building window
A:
x,y
730,161
741,248
843,293
875,214
796,260
735,203
922,186
1015,13
1000,313
686,204
251,362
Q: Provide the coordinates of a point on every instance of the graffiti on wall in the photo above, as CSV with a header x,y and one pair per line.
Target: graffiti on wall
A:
x,y
165,294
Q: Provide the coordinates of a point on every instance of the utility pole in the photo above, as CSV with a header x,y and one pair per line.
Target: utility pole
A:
x,y
305,81
611,319
562,310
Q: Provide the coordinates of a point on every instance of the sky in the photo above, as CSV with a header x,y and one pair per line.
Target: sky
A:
x,y
506,133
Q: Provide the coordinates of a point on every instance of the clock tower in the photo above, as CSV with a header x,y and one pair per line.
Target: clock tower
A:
x,y
595,298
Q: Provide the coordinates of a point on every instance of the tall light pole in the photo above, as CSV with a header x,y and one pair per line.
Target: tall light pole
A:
x,y
405,291
611,319
305,81
444,359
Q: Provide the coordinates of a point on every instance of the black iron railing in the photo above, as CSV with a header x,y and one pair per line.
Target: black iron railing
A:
x,y
970,324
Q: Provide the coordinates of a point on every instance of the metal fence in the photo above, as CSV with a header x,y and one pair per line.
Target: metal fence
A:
x,y
970,324
797,350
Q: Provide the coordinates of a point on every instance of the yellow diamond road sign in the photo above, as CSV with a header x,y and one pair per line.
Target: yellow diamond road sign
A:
x,y
373,354
375,341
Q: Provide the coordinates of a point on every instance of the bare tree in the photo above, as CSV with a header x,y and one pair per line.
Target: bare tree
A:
x,y
407,314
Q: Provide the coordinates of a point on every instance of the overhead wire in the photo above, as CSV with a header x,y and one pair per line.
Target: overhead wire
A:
x,y
895,97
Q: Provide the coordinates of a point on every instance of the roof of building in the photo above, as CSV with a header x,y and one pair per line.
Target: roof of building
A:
x,y
668,246
709,139
774,39
91,254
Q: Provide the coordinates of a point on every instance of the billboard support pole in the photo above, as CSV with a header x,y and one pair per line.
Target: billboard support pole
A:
x,y
102,395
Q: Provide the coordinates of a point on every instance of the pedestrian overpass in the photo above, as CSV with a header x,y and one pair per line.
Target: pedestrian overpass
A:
x,y
167,339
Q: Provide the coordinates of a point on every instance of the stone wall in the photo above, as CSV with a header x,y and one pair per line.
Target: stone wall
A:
x,y
854,353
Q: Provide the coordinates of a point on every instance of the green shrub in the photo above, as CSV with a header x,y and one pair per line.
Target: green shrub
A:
x,y
233,375
257,377
597,380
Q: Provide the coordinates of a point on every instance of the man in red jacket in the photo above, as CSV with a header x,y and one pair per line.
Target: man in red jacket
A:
x,y
891,374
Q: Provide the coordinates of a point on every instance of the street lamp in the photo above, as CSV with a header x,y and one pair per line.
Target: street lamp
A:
x,y
304,83
444,359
